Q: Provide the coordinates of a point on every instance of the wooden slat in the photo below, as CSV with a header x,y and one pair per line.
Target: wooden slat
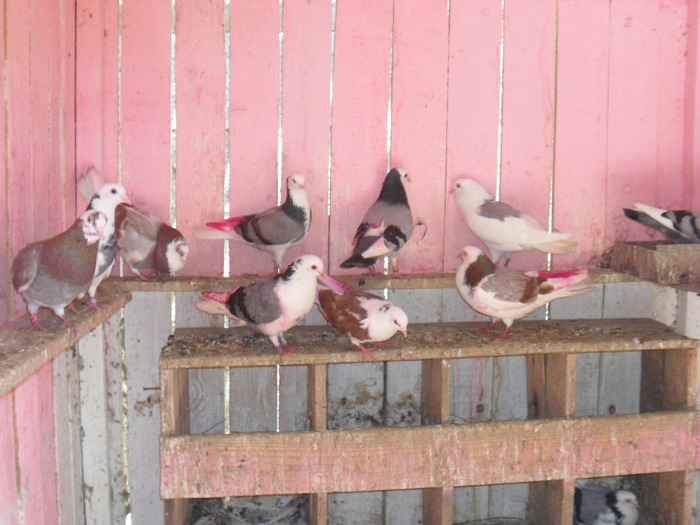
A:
x,y
240,347
426,456
9,496
318,411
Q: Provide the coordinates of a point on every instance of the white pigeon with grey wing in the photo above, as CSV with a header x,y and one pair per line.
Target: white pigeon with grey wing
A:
x,y
598,505
272,306
274,230
682,226
502,228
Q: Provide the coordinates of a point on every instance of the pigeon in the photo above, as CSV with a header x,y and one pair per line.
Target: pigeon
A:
x,y
386,226
598,505
272,306
502,228
148,245
362,316
680,225
55,271
507,294
274,230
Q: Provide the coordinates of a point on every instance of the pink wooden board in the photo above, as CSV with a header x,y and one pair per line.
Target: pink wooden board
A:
x,y
200,76
9,513
35,452
5,279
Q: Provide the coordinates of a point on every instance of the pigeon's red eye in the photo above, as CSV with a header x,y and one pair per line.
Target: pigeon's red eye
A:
x,y
114,191
314,267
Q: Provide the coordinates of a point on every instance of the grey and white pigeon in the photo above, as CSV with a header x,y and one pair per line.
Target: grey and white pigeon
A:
x,y
148,245
386,226
682,226
274,230
502,228
506,294
272,306
362,316
598,505
55,271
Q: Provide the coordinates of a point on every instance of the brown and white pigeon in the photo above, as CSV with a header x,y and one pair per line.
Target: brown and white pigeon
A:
x,y
386,226
598,505
502,228
274,230
272,306
681,226
506,294
55,271
147,244
362,316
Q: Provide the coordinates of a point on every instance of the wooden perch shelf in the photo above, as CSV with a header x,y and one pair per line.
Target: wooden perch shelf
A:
x,y
551,449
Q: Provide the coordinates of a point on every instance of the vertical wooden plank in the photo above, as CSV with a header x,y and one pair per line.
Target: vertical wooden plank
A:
x,y
361,86
528,113
474,106
9,496
306,76
318,410
691,139
254,120
435,392
36,447
419,122
200,76
5,263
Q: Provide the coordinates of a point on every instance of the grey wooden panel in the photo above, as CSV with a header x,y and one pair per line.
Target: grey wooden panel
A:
x,y
357,508
253,399
403,506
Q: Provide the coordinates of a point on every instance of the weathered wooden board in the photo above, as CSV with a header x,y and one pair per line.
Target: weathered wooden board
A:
x,y
663,262
9,496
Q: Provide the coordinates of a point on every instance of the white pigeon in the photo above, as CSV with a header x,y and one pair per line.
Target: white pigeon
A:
x,y
598,505
386,226
680,225
362,316
272,306
55,271
506,294
274,230
502,228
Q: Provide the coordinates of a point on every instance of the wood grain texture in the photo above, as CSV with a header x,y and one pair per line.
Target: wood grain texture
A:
x,y
9,496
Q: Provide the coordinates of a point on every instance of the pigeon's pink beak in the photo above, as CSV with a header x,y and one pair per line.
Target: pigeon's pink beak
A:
x,y
404,332
219,297
331,283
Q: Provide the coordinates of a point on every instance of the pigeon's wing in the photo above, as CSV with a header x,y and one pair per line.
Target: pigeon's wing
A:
x,y
648,220
67,257
256,303
686,222
136,232
25,267
497,210
271,227
345,311
511,286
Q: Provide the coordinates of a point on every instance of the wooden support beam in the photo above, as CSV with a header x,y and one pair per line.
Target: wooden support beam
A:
x,y
318,414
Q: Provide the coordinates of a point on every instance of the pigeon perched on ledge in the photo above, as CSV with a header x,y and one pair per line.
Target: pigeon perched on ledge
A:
x,y
502,228
274,230
55,271
506,294
681,226
598,505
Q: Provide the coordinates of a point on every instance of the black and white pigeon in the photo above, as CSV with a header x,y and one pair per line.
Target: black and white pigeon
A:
x,y
598,505
682,226
362,316
502,228
506,294
272,306
55,271
386,226
274,230
147,244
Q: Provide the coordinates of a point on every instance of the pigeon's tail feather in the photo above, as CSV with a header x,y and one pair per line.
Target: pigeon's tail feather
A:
x,y
226,224
651,216
90,183
568,283
568,273
357,261
377,249
212,234
557,246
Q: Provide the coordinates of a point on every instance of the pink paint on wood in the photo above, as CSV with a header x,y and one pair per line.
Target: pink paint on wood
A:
x,y
9,513
254,119
691,139
306,75
528,114
5,280
473,102
361,86
581,134
36,454
419,120
200,75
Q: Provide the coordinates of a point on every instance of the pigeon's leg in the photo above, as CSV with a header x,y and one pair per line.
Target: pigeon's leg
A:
x,y
366,353
503,334
92,304
394,267
486,329
34,318
281,344
147,274
72,308
67,324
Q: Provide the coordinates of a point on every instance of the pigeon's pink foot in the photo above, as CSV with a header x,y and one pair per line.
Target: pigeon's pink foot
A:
x,y
147,275
92,304
72,308
502,335
67,324
485,330
35,322
366,353
287,348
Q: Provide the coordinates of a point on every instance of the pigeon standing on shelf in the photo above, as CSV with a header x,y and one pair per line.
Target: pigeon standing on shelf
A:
x,y
506,294
502,228
386,226
598,505
148,245
680,225
273,306
274,230
362,316
55,271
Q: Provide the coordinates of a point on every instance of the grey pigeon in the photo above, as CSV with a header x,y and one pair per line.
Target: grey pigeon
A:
x,y
55,271
386,226
680,225
598,505
274,230
272,306
502,228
